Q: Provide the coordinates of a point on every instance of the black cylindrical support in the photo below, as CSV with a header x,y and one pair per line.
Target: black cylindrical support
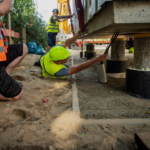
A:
x,y
85,54
138,83
81,54
90,47
117,63
90,55
138,79
116,66
90,51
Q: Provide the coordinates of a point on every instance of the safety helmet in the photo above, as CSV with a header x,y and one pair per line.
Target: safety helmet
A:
x,y
58,53
56,10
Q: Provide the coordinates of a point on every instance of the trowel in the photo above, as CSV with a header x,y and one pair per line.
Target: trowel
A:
x,y
100,68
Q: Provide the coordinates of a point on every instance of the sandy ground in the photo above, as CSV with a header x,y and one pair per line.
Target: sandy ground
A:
x,y
30,124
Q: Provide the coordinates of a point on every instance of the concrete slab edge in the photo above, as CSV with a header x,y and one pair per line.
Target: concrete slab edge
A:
x,y
75,101
117,121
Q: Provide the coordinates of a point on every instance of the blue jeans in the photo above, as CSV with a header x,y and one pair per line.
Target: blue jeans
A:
x,y
52,39
38,62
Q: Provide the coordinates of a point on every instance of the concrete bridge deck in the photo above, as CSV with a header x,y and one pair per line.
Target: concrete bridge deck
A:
x,y
126,17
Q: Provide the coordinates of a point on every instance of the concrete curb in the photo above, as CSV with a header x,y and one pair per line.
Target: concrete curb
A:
x,y
75,101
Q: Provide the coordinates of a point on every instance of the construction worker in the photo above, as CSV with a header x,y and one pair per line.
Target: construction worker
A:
x,y
53,63
53,28
10,57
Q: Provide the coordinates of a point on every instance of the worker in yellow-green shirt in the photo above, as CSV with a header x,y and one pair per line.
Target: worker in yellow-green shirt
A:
x,y
54,65
53,28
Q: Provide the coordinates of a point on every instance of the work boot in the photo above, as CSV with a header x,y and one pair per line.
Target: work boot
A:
x,y
37,63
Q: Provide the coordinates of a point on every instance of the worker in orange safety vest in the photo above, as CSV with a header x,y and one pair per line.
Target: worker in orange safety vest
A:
x,y
3,45
10,57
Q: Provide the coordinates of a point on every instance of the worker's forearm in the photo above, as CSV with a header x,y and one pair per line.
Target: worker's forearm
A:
x,y
62,20
86,64
60,17
71,40
75,69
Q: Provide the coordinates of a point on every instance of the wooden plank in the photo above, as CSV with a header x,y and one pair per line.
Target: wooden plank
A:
x,y
24,35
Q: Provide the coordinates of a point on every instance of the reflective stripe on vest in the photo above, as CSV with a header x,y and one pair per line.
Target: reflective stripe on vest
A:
x,y
2,49
53,27
3,45
1,36
44,67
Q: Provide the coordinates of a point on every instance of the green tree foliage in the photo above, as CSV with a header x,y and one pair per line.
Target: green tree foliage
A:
x,y
24,15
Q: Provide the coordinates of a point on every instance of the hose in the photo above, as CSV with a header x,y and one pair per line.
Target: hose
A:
x,y
113,38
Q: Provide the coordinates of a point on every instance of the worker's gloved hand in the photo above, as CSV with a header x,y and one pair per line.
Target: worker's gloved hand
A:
x,y
101,58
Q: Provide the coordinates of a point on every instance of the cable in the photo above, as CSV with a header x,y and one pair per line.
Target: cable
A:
x,y
113,38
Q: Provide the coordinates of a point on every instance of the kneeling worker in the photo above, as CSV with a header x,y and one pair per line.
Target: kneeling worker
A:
x,y
10,57
53,63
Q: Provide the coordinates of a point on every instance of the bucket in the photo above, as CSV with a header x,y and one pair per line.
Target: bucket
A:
x,y
102,77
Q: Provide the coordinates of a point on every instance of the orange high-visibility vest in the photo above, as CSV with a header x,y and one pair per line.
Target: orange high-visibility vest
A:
x,y
3,45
